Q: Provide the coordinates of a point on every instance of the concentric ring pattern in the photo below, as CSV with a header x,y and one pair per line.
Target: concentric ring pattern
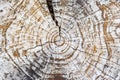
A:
x,y
84,45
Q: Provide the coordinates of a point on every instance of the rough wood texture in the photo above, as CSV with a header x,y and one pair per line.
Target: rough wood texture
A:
x,y
59,40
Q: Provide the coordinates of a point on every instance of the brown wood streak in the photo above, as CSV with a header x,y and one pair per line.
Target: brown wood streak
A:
x,y
24,52
4,28
16,53
88,67
94,49
108,37
105,17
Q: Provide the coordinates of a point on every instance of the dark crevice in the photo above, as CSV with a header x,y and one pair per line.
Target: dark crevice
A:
x,y
50,7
